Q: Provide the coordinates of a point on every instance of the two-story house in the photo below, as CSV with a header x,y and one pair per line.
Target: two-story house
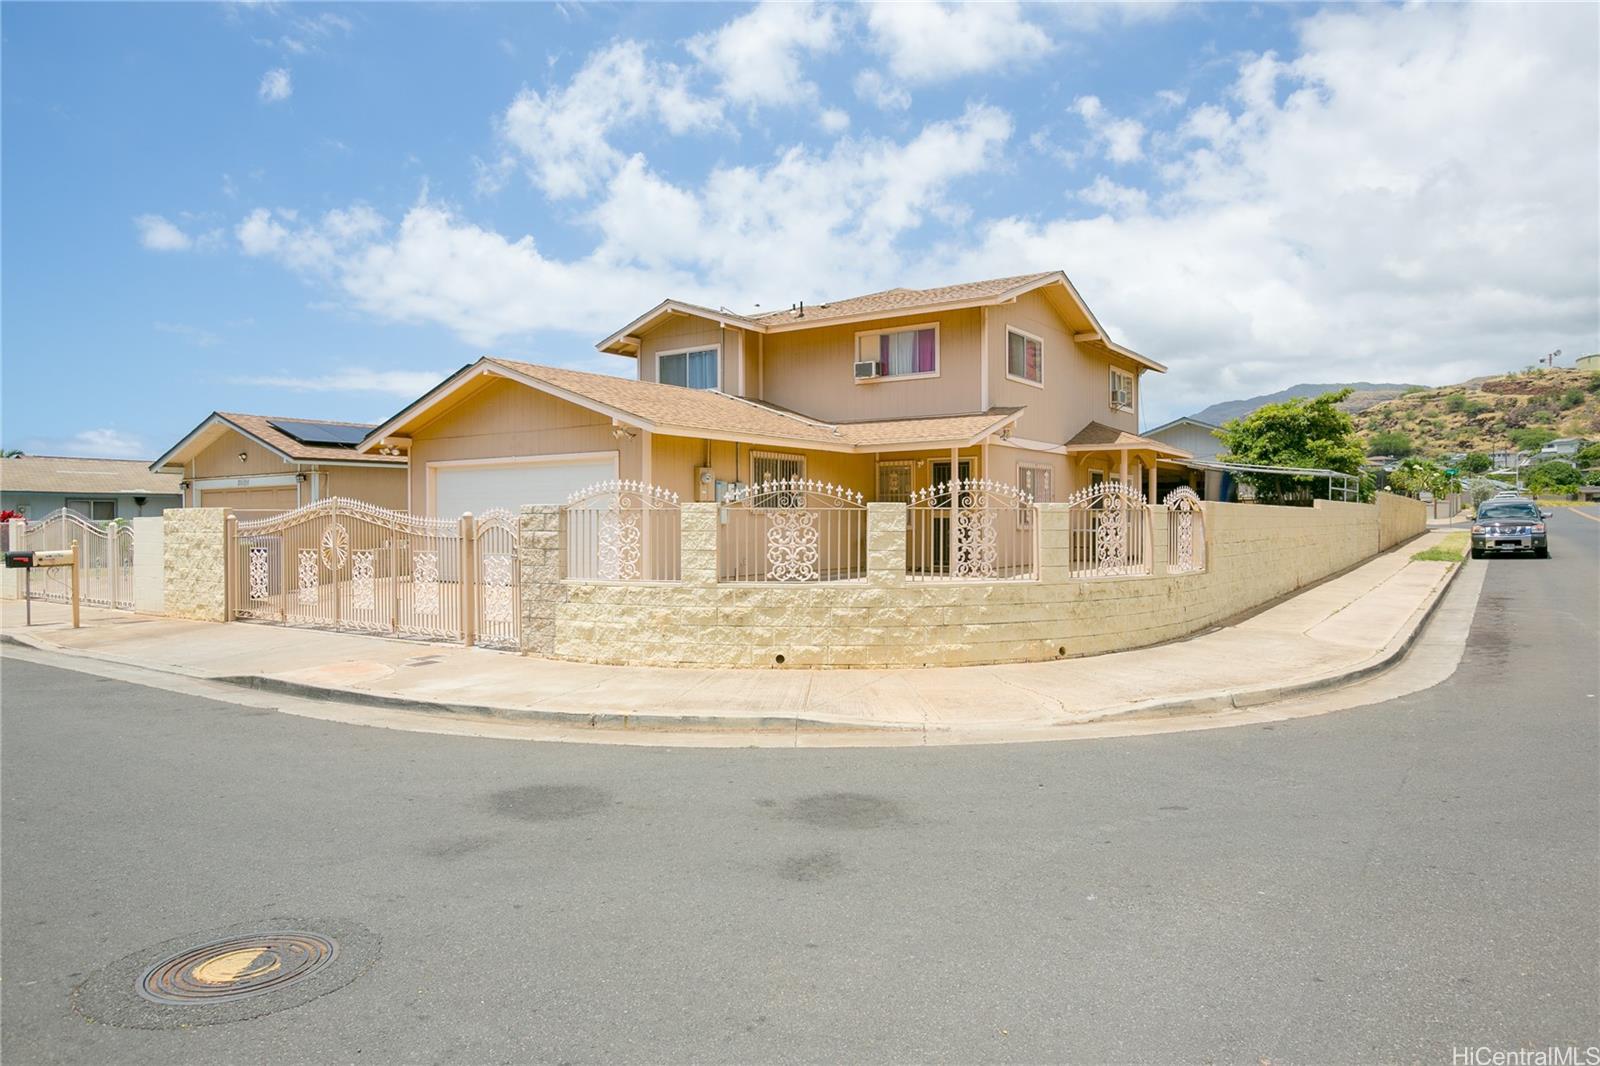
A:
x,y
1011,379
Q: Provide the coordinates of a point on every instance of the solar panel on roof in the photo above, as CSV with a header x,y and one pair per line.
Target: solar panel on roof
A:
x,y
320,434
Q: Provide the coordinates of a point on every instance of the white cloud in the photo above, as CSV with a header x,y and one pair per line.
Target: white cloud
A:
x,y
929,42
101,443
159,234
789,228
1122,139
563,134
756,57
833,120
1104,192
275,85
876,90
406,383
1379,205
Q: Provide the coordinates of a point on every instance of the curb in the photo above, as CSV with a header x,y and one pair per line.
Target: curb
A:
x,y
678,722
1238,699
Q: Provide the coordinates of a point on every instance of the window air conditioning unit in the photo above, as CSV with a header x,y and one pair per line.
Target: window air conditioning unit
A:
x,y
866,369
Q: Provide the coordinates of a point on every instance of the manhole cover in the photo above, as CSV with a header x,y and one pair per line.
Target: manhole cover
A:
x,y
237,967
228,975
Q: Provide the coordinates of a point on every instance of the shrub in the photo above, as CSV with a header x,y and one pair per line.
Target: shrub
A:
x,y
1571,398
1475,463
1531,439
1390,442
1456,402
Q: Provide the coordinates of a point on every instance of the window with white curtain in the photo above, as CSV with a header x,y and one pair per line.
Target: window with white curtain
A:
x,y
901,352
696,369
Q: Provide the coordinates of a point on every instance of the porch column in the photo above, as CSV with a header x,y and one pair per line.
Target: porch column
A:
x,y
1124,474
1152,493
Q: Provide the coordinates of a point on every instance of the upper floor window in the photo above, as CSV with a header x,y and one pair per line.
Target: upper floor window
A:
x,y
1121,389
900,353
694,368
1024,357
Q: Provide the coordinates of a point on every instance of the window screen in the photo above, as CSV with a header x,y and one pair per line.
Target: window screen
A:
x,y
894,482
1024,357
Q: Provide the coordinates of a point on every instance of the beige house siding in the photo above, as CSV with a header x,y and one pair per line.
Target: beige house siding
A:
x,y
1005,463
811,371
1077,385
221,459
379,486
679,332
501,419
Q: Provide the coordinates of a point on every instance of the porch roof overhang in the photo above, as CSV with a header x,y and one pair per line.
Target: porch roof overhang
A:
x,y
671,410
1098,437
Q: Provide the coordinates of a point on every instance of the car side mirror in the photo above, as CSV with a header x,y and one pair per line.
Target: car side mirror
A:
x,y
1546,514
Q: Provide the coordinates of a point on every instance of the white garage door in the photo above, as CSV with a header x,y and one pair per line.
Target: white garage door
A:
x,y
479,487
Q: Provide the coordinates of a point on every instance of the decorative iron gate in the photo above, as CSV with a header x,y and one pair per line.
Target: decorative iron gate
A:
x,y
1186,532
344,564
1108,530
972,530
105,559
792,530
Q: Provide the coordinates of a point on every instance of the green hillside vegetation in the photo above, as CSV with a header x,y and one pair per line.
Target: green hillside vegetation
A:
x,y
1521,411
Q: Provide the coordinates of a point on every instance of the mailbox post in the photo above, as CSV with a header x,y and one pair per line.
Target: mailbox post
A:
x,y
29,561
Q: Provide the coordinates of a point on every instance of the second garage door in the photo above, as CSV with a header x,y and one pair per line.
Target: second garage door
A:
x,y
258,501
479,487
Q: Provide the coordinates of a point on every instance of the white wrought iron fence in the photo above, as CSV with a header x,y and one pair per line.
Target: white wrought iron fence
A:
x,y
105,559
1108,531
622,531
1186,532
972,530
792,530
349,565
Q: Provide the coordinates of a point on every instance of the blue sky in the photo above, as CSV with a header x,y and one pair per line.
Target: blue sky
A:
x,y
317,210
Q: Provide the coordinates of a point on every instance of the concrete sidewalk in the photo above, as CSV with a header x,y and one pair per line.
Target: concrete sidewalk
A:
x,y
1343,629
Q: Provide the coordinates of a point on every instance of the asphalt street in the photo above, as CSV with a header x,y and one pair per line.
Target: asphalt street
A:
x,y
1384,883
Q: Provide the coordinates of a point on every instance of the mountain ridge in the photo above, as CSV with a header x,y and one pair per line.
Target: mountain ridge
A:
x,y
1365,394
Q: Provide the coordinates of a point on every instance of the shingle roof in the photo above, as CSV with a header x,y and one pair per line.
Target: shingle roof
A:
x,y
1097,436
260,427
896,300
672,407
52,473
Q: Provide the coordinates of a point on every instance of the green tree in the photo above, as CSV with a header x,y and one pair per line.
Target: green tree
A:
x,y
1531,439
1475,463
1587,457
1555,477
1390,442
1298,432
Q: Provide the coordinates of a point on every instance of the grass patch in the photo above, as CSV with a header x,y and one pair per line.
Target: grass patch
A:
x,y
1449,550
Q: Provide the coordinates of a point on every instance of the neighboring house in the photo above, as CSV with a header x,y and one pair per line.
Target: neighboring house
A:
x,y
1011,379
98,489
259,463
1562,448
1505,459
1199,439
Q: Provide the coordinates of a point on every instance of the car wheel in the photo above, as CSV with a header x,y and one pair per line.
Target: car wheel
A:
x,y
1541,553
1476,554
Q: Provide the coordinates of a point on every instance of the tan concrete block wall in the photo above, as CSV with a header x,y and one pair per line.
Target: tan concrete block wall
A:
x,y
1254,554
193,564
1399,518
539,543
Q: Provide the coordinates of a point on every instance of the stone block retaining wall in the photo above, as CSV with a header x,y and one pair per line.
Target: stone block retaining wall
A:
x,y
1255,554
